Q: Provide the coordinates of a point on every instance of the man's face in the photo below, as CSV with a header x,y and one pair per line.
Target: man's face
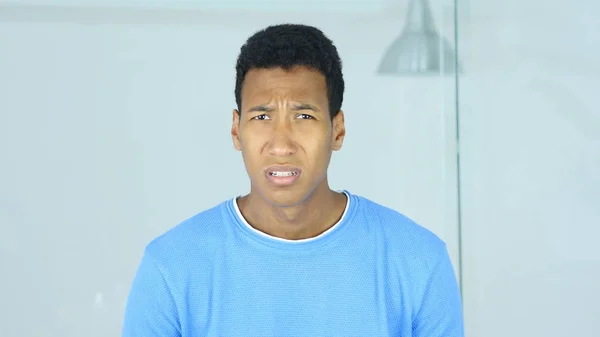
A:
x,y
285,133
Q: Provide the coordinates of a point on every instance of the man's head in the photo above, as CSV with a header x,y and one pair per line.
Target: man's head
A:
x,y
289,92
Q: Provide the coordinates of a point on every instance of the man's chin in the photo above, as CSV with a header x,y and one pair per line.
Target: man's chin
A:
x,y
283,198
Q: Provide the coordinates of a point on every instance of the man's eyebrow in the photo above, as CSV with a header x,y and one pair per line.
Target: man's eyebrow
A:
x,y
305,106
260,108
295,107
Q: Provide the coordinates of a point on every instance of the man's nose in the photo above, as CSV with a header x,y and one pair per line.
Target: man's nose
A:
x,y
282,143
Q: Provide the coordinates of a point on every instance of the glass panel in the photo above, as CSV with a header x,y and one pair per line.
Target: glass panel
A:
x,y
115,127
416,89
530,159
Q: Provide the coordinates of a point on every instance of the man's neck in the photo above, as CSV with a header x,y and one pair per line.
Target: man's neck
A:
x,y
308,219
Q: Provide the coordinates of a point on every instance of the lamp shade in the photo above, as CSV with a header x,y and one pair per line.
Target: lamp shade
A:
x,y
419,49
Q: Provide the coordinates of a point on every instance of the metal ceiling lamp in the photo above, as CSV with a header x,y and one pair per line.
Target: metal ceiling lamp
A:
x,y
419,49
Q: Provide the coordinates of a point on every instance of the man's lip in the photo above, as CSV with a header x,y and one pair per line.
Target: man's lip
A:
x,y
282,168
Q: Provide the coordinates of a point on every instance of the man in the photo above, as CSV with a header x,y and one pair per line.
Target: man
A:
x,y
293,257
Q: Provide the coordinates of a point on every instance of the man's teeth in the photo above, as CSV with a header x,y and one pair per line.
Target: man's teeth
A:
x,y
283,174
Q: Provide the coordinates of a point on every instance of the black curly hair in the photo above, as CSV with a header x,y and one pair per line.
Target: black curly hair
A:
x,y
289,45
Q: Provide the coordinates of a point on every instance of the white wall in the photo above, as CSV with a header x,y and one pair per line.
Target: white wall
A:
x,y
530,152
114,127
257,5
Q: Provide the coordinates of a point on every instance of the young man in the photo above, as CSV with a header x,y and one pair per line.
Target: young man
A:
x,y
293,257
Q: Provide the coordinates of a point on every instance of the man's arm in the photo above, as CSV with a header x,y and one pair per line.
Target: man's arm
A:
x,y
440,314
151,309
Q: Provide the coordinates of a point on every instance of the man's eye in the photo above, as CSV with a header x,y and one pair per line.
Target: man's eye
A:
x,y
305,116
261,117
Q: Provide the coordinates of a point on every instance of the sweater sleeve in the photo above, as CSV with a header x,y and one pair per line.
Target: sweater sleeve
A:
x,y
440,313
151,308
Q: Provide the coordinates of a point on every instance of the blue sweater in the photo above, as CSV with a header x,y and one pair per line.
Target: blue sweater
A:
x,y
374,273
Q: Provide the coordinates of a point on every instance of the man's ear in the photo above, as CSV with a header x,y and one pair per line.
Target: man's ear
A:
x,y
339,130
235,130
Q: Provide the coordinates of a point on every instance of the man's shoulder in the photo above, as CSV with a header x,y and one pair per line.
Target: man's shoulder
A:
x,y
411,247
200,233
398,228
